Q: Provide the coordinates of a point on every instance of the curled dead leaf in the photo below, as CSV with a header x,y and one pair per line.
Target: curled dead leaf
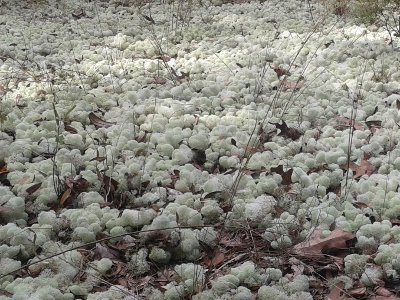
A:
x,y
315,244
98,122
65,197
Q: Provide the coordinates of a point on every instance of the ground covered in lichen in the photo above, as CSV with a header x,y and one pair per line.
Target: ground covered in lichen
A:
x,y
184,150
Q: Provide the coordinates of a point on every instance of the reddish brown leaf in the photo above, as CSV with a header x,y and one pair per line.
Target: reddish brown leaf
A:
x,y
314,245
337,292
65,197
365,168
292,85
3,170
343,123
33,188
381,291
218,259
280,71
286,175
357,292
96,121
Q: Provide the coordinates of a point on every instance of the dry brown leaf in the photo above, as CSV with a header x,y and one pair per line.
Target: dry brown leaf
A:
x,y
65,197
103,251
314,245
288,132
97,122
381,291
343,123
357,292
3,170
364,168
33,188
292,85
337,292
218,259
286,175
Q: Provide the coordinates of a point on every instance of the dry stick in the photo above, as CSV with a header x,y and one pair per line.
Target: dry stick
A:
x,y
310,10
292,98
99,241
271,107
354,108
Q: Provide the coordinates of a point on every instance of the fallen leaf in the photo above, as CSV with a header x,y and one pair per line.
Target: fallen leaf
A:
x,y
33,188
70,129
381,291
291,133
357,292
4,170
364,168
360,205
337,292
65,197
103,251
374,125
97,122
292,85
343,123
314,245
280,71
217,260
286,175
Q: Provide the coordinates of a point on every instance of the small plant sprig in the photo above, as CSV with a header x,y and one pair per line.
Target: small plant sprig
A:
x,y
385,13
